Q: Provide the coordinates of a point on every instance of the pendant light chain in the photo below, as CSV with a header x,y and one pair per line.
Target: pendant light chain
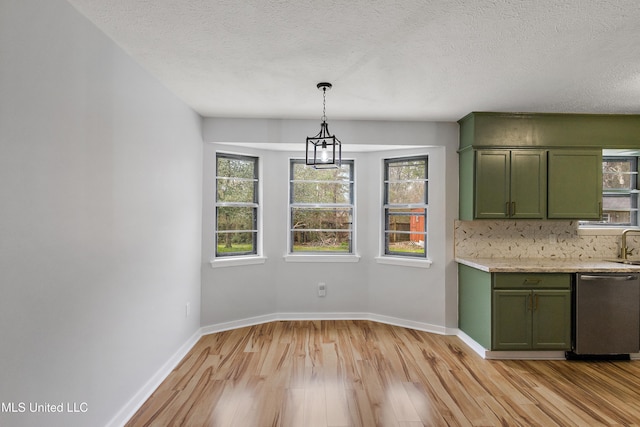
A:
x,y
324,104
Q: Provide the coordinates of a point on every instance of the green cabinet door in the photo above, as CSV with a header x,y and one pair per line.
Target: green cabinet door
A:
x,y
512,320
551,319
528,184
575,184
510,184
492,183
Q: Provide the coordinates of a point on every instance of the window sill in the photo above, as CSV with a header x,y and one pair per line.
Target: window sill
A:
x,y
405,262
321,258
236,261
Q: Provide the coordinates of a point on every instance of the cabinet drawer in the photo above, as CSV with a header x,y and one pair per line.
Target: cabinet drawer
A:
x,y
531,280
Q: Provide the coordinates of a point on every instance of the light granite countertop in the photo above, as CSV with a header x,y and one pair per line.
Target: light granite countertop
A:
x,y
547,265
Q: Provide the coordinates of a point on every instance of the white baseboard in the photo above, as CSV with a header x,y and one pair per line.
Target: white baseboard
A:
x,y
480,350
410,324
322,316
395,321
131,407
509,355
236,324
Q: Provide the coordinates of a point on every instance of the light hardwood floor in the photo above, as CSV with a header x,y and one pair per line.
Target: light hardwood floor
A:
x,y
361,373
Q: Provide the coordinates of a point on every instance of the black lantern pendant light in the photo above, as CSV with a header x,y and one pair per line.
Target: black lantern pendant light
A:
x,y
324,150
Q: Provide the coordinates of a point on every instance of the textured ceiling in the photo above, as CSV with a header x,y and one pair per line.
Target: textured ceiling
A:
x,y
394,60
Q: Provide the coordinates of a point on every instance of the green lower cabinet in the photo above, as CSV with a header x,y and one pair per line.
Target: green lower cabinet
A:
x,y
531,319
551,320
511,320
515,311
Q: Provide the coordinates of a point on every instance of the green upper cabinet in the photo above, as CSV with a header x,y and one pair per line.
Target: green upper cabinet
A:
x,y
575,184
510,184
537,166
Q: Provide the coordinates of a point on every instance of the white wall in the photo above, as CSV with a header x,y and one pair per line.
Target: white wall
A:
x,y
233,293
427,297
100,218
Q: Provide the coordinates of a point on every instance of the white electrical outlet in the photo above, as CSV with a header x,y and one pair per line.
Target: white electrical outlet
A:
x,y
553,238
322,289
187,310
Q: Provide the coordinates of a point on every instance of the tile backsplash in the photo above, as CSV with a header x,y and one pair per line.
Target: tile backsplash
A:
x,y
533,239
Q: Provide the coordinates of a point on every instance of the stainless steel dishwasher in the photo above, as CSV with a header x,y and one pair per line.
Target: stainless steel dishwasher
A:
x,y
607,314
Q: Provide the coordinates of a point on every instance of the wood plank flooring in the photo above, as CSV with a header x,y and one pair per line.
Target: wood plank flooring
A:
x,y
361,373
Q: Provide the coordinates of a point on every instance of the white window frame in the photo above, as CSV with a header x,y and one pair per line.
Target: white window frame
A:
x,y
292,256
396,257
256,256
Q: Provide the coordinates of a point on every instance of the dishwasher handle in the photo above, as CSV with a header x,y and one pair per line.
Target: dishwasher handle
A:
x,y
614,278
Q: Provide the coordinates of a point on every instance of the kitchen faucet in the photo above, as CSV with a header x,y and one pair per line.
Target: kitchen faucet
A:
x,y
624,250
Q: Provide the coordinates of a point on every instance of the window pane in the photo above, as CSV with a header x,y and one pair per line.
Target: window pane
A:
x,y
619,202
406,170
616,181
235,190
303,172
616,217
321,218
616,174
619,209
236,243
405,243
408,220
236,168
236,218
406,192
321,241
319,192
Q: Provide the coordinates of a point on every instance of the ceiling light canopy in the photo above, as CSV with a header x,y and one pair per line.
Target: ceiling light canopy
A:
x,y
324,151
